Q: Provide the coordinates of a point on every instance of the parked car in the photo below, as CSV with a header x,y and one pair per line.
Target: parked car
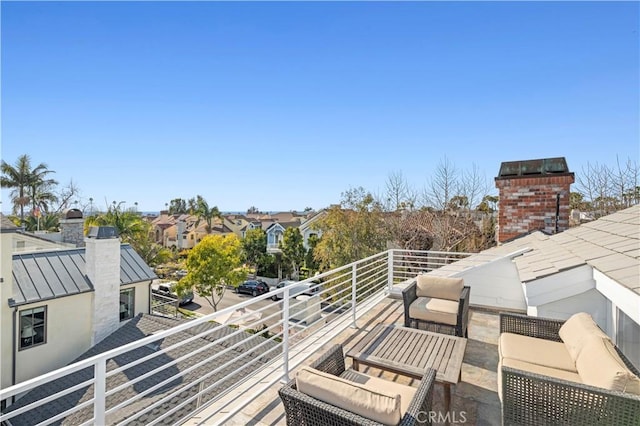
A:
x,y
308,289
253,287
167,289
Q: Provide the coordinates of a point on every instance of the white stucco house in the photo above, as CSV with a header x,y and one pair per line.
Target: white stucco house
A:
x,y
56,302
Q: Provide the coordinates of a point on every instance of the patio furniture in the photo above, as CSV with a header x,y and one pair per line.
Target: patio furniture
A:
x,y
564,372
328,394
439,304
409,352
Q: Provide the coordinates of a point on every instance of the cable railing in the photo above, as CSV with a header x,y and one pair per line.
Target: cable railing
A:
x,y
168,374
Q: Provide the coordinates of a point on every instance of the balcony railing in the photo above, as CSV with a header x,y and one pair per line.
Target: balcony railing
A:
x,y
197,362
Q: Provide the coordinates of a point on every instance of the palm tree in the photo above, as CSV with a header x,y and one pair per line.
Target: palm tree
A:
x,y
203,211
26,182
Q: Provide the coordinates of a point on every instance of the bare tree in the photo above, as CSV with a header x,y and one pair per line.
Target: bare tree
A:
x,y
443,185
454,196
399,195
67,195
604,189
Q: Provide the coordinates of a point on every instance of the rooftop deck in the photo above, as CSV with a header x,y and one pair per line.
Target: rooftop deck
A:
x,y
474,399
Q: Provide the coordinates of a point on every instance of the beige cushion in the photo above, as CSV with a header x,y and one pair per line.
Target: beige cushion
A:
x,y
577,331
542,370
439,287
437,310
536,351
600,365
378,405
375,383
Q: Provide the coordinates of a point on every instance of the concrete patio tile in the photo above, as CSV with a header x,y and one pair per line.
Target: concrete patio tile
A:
x,y
474,399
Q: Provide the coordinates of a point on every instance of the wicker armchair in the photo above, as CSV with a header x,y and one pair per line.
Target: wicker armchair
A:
x,y
409,295
534,399
302,409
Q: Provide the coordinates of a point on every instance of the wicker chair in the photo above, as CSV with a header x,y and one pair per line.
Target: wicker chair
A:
x,y
534,399
409,295
302,409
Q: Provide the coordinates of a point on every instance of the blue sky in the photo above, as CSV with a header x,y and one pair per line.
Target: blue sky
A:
x,y
286,105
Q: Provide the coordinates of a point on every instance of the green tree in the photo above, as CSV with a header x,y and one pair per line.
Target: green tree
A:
x,y
254,247
132,229
177,206
293,249
309,259
212,265
22,179
48,222
352,230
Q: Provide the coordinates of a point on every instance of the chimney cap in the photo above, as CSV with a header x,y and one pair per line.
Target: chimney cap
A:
x,y
73,214
544,166
102,232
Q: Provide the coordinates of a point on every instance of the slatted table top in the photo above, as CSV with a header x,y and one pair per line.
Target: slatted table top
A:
x,y
410,352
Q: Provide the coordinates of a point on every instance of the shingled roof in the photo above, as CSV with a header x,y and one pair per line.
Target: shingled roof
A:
x,y
246,358
610,244
48,275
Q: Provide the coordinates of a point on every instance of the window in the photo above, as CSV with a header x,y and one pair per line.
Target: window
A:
x,y
127,299
33,327
628,338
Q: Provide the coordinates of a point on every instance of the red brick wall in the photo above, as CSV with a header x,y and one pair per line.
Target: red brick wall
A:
x,y
529,203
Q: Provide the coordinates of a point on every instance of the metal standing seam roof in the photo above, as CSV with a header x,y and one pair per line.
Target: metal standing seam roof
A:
x,y
46,275
246,358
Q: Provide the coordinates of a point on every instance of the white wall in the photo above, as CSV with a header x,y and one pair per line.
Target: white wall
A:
x,y
559,286
590,301
6,313
496,285
68,336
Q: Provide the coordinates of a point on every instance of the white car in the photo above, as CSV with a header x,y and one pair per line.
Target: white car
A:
x,y
309,289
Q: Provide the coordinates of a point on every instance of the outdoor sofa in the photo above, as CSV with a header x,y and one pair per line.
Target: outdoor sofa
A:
x,y
326,393
564,372
439,304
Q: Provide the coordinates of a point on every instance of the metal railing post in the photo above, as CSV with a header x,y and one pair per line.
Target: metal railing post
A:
x,y
390,270
100,391
285,335
353,295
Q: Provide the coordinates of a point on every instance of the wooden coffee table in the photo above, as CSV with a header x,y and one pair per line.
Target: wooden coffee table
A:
x,y
410,352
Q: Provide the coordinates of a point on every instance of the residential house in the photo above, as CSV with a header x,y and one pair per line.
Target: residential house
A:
x,y
56,302
236,223
195,374
307,228
275,233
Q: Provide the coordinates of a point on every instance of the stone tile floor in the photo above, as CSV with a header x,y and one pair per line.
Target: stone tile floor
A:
x,y
474,399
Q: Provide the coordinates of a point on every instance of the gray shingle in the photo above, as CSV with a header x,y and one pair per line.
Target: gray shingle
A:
x,y
243,357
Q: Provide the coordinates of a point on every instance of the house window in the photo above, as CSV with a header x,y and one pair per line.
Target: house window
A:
x,y
127,299
33,327
628,338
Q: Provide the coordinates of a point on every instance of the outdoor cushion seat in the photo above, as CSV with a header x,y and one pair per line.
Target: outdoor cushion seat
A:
x,y
537,384
435,310
535,351
438,304
326,393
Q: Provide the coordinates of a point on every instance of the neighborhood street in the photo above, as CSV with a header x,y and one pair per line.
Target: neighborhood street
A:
x,y
201,306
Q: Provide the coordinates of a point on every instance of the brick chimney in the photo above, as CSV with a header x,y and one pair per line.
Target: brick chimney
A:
x,y
102,257
534,195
